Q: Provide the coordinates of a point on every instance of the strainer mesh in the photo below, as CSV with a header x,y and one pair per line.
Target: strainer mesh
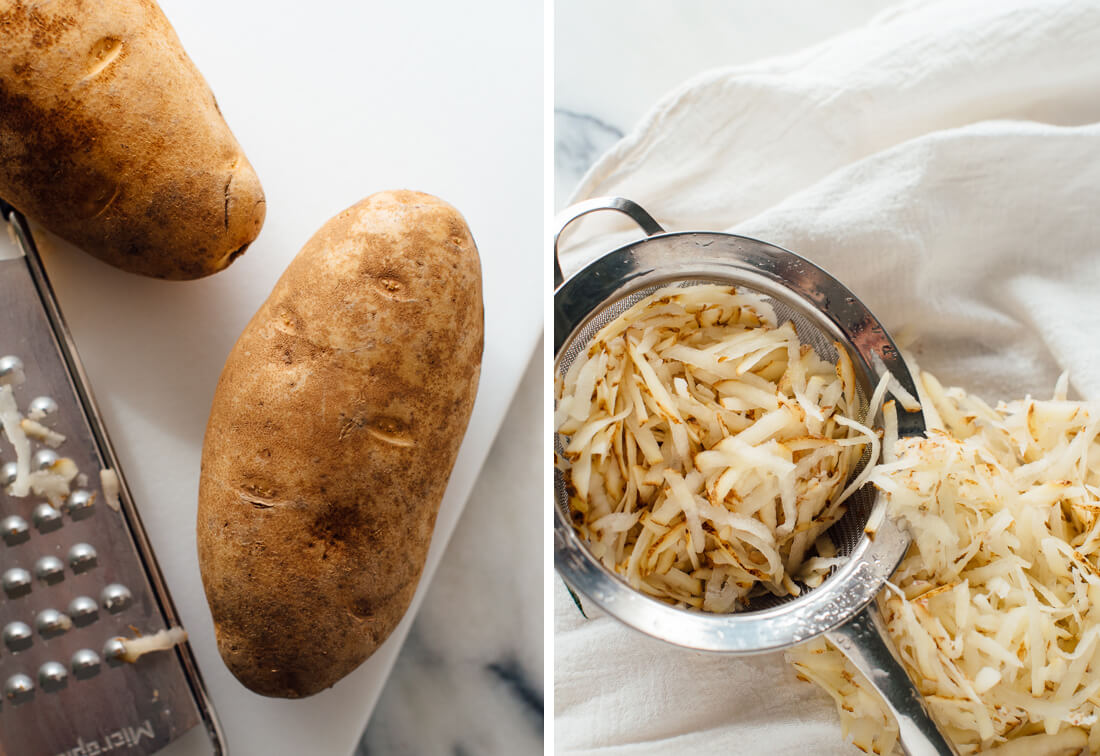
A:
x,y
847,532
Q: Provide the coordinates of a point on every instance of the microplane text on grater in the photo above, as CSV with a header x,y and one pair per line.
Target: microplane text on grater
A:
x,y
79,581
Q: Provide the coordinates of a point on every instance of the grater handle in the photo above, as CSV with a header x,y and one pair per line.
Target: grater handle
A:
x,y
863,640
621,204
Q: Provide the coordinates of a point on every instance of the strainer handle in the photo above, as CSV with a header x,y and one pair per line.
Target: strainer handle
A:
x,y
621,204
863,640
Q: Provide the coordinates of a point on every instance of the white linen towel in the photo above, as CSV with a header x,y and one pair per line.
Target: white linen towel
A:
x,y
944,163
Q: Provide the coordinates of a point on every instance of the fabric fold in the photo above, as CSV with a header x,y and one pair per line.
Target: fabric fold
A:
x,y
940,161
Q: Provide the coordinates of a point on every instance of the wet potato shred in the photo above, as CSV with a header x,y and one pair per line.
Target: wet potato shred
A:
x,y
706,449
995,611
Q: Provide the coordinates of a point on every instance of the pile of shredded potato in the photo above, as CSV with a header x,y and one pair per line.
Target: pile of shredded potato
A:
x,y
995,611
706,449
52,482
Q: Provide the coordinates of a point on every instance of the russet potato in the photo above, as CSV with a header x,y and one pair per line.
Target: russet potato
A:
x,y
333,431
110,138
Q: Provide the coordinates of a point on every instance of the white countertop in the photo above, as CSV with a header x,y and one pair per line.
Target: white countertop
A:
x,y
333,101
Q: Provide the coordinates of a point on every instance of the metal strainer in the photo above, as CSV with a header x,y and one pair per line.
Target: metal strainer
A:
x,y
823,312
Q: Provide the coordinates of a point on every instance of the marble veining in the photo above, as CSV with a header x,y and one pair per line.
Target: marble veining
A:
x,y
579,139
511,673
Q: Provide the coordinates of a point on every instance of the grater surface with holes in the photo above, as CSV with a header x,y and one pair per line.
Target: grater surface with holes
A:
x,y
77,577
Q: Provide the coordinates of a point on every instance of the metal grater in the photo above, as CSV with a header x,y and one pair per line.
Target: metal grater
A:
x,y
76,578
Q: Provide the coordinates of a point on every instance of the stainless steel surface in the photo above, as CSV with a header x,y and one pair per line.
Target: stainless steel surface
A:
x,y
85,664
18,688
82,557
77,553
863,641
44,459
42,407
113,650
51,623
18,636
83,610
15,530
49,569
47,519
619,204
17,582
116,598
52,676
824,312
80,504
11,369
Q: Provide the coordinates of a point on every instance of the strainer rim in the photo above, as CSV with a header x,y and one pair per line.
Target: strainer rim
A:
x,y
695,255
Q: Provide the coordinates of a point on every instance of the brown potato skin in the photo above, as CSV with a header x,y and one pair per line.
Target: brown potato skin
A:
x,y
334,428
110,138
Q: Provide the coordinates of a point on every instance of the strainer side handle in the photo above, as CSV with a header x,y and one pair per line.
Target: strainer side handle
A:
x,y
864,641
628,207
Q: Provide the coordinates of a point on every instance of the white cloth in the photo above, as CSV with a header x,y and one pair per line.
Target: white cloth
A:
x,y
944,163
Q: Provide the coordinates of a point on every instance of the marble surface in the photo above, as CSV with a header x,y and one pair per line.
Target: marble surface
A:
x,y
614,59
469,680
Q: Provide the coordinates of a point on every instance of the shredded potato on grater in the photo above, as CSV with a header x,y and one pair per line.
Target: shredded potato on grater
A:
x,y
706,449
995,611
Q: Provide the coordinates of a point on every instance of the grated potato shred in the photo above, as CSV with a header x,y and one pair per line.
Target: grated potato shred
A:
x,y
51,483
163,640
706,449
995,610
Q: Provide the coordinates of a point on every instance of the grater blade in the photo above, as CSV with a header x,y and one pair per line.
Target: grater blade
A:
x,y
91,564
